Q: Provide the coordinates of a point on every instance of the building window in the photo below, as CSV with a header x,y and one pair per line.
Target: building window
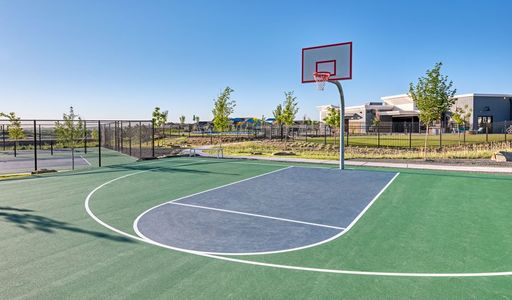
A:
x,y
485,123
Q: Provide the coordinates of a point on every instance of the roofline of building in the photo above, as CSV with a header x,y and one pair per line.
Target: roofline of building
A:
x,y
483,95
394,96
456,96
355,106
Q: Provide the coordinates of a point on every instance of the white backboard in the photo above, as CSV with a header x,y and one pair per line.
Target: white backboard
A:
x,y
335,59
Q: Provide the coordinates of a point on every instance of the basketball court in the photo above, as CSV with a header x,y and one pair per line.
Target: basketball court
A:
x,y
198,227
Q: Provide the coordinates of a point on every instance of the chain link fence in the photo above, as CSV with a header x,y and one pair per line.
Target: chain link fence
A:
x,y
54,145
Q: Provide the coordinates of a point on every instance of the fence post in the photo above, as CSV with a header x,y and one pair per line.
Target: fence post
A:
x,y
325,135
348,133
51,147
121,137
85,137
130,137
3,136
378,135
35,145
153,138
115,136
506,128
99,143
140,139
410,134
441,135
486,132
40,142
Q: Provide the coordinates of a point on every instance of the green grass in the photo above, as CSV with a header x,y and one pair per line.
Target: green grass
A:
x,y
331,152
424,222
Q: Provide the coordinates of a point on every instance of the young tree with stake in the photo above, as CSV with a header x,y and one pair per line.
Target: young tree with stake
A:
x,y
195,119
278,116
69,132
290,110
159,119
333,119
14,129
433,95
222,109
461,117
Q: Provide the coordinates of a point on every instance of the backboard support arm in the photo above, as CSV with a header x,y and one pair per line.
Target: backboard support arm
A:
x,y
342,123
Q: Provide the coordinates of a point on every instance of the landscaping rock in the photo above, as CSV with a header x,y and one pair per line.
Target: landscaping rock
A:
x,y
42,171
283,153
502,156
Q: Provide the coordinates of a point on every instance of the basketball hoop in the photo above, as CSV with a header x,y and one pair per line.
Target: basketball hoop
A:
x,y
321,78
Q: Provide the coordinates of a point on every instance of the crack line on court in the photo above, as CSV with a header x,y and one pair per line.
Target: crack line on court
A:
x,y
256,215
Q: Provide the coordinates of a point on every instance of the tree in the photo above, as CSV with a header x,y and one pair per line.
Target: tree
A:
x,y
69,132
290,108
182,122
14,129
285,113
376,121
333,119
278,116
159,118
461,117
95,134
433,95
223,107
195,119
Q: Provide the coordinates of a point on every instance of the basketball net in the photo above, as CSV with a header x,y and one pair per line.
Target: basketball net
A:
x,y
321,78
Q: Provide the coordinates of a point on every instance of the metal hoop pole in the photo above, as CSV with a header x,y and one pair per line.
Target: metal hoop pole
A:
x,y
342,123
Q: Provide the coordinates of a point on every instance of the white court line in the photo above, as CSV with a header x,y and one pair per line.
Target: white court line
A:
x,y
85,160
256,215
280,266
136,229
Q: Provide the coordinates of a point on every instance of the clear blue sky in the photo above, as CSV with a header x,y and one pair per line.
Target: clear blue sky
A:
x,y
120,59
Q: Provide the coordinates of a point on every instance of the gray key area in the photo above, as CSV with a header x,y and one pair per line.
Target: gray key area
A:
x,y
287,209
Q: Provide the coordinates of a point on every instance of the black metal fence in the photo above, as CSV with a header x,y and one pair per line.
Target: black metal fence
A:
x,y
38,145
393,134
43,145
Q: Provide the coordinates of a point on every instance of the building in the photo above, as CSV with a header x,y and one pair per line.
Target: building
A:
x,y
399,113
490,111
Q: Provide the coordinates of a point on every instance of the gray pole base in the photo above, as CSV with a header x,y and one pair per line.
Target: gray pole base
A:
x,y
342,123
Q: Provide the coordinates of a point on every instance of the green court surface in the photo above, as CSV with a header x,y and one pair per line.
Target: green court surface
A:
x,y
428,235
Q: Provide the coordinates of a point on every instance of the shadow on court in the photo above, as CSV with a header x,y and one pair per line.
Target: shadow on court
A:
x,y
33,222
